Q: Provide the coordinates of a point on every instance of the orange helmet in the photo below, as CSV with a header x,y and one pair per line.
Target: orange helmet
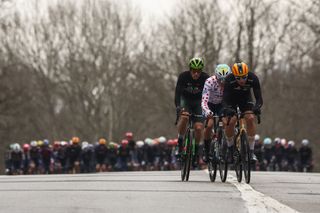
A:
x,y
102,141
75,140
240,69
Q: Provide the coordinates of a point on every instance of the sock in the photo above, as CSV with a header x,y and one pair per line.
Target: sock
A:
x,y
251,142
230,141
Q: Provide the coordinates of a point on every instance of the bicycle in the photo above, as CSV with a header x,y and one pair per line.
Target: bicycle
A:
x,y
218,148
188,154
241,153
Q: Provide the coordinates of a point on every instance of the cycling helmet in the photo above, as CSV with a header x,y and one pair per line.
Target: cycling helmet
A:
x,y
291,143
196,64
222,70
40,143
283,142
240,69
33,143
84,144
113,145
16,147
148,141
124,142
46,142
75,140
64,143
102,141
305,142
267,141
162,139
129,134
26,147
257,137
140,144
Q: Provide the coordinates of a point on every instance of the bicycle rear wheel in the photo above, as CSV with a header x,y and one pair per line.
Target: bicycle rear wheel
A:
x,y
223,163
184,158
245,157
238,163
212,164
189,156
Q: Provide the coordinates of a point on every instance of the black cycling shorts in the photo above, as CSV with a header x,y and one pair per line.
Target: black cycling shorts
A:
x,y
193,107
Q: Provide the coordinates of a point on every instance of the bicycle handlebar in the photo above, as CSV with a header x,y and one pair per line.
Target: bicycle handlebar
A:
x,y
242,115
188,114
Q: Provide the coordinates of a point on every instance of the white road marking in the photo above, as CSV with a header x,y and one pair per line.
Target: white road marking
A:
x,y
258,202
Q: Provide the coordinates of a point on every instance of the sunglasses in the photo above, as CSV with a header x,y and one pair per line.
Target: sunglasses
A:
x,y
196,71
241,78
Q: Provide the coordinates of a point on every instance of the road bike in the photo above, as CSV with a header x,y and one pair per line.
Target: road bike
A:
x,y
241,153
218,150
188,153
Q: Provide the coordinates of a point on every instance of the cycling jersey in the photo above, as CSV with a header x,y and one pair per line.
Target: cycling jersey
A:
x,y
188,88
212,93
189,92
235,95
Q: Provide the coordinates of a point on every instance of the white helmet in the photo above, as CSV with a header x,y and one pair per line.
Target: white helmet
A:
x,y
33,143
256,137
277,140
267,141
283,142
162,139
16,147
291,143
139,144
305,142
84,144
221,71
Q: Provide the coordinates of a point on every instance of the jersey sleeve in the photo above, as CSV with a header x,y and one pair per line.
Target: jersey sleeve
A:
x,y
178,91
257,92
205,98
226,99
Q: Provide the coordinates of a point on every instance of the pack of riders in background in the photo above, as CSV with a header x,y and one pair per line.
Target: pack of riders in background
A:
x,y
61,157
196,93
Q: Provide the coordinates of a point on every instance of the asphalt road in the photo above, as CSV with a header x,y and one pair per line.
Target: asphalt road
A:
x,y
153,192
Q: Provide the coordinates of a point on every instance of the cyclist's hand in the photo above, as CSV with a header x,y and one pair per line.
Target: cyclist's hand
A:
x,y
178,110
210,115
229,112
256,110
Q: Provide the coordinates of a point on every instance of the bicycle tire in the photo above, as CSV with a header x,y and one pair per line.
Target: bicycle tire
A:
x,y
189,156
245,157
237,161
223,163
183,158
212,165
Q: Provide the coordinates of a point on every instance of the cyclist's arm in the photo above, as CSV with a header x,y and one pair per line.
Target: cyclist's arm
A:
x,y
257,92
227,95
178,91
205,98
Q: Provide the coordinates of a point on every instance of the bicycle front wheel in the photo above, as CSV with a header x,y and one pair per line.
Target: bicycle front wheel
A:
x,y
245,157
223,163
189,156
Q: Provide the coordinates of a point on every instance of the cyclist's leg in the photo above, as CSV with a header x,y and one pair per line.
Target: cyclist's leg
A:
x,y
251,126
182,124
229,133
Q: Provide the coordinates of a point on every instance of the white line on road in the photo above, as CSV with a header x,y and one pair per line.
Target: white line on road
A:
x,y
258,202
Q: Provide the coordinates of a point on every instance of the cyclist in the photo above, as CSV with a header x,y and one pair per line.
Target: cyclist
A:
x,y
73,155
101,153
305,154
212,102
188,94
237,92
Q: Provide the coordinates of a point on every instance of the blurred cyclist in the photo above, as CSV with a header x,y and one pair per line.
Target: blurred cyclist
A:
x,y
212,102
188,94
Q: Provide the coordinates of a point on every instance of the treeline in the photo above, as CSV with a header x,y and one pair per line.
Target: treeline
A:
x,y
92,69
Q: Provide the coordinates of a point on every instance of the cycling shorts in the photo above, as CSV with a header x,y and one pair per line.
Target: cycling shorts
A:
x,y
193,107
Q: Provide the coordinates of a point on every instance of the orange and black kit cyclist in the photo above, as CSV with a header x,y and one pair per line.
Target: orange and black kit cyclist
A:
x,y
237,93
